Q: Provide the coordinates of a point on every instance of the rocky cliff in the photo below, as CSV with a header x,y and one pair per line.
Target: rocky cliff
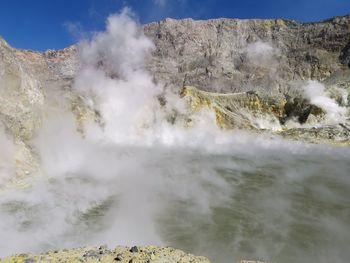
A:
x,y
234,55
226,55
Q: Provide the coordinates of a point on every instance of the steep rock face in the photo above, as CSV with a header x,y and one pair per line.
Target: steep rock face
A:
x,y
221,54
235,55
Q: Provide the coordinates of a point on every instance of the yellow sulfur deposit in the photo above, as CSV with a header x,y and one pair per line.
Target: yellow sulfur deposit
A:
x,y
233,110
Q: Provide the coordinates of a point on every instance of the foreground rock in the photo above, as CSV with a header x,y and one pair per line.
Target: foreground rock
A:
x,y
103,254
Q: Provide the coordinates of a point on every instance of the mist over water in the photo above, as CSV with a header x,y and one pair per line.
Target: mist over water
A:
x,y
140,180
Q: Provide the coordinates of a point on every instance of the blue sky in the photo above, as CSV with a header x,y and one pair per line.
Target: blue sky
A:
x,y
50,24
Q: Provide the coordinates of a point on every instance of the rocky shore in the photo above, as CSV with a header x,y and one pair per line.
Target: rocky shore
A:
x,y
148,254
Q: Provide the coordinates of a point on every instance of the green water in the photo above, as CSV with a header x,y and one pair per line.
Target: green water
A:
x,y
279,204
290,209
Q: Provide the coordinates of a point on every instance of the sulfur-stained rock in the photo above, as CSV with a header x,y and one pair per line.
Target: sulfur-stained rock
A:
x,y
244,109
234,110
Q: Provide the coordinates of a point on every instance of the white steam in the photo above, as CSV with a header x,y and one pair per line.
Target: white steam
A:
x,y
315,92
263,54
113,79
7,153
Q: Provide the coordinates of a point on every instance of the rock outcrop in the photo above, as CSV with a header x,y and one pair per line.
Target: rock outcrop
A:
x,y
247,110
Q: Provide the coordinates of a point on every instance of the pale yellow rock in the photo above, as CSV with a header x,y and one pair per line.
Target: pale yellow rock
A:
x,y
121,254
